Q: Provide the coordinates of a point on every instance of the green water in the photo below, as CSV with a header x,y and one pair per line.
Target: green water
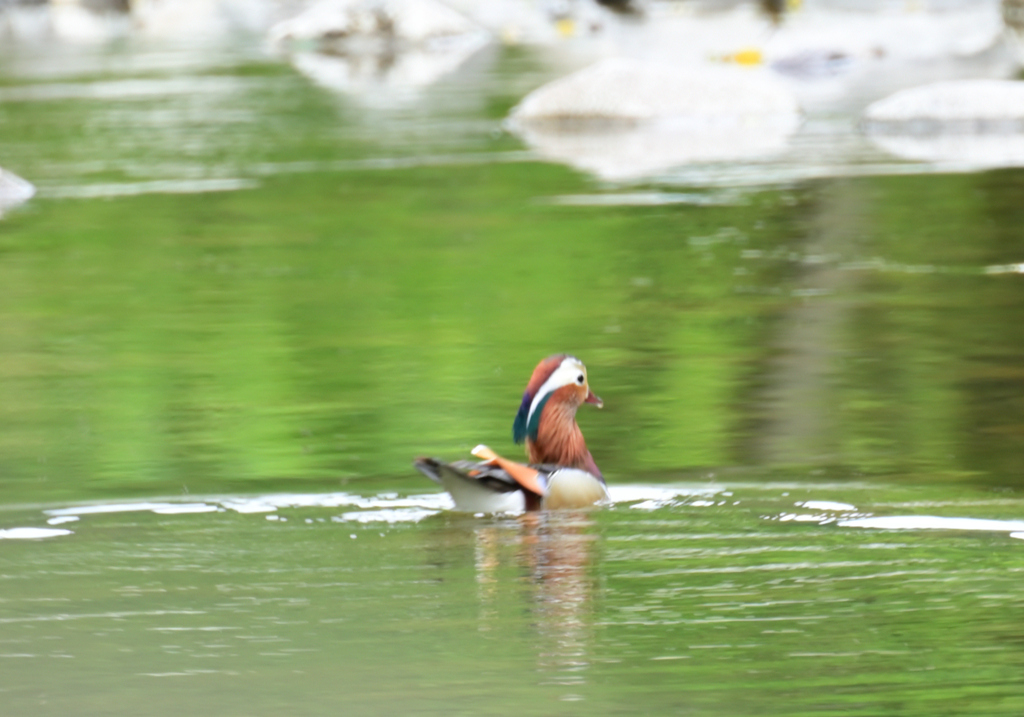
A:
x,y
368,284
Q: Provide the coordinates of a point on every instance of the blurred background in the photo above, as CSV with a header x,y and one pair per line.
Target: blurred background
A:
x,y
257,255
272,243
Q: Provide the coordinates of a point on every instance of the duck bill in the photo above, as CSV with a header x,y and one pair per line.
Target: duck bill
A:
x,y
592,398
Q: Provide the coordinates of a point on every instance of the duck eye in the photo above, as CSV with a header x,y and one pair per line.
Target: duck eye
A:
x,y
579,379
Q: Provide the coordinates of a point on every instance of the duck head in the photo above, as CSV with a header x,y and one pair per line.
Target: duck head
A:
x,y
546,420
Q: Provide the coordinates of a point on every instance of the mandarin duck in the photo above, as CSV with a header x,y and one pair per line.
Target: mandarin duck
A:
x,y
561,474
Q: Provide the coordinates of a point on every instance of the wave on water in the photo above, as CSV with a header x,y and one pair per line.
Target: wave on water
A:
x,y
392,508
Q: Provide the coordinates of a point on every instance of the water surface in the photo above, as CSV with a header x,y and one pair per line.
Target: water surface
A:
x,y
241,304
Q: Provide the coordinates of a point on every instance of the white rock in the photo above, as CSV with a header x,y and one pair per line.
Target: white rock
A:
x,y
71,20
205,21
899,32
385,50
963,150
14,190
25,22
414,22
958,105
379,81
625,119
631,91
543,22
968,123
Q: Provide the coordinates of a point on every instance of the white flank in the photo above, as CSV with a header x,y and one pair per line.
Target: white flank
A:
x,y
573,488
471,496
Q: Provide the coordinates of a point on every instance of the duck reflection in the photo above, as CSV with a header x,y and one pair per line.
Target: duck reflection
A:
x,y
553,552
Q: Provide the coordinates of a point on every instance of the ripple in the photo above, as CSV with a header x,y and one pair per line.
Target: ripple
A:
x,y
826,505
121,89
60,519
651,497
163,508
188,673
32,533
118,615
258,504
159,186
387,515
644,199
932,522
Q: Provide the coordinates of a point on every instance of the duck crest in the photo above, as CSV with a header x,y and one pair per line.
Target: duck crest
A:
x,y
527,421
546,420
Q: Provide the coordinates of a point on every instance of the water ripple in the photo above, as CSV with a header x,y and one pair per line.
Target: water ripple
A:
x,y
31,533
932,522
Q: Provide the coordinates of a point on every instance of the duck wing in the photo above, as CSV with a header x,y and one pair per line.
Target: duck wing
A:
x,y
475,487
494,478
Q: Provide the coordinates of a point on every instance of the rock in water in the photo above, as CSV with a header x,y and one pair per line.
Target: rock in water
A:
x,y
973,123
382,51
954,106
625,119
629,91
13,190
351,25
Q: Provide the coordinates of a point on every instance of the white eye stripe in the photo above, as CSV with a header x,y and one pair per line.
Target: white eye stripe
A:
x,y
564,375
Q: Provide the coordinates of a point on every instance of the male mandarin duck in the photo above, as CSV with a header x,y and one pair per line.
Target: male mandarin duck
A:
x,y
562,473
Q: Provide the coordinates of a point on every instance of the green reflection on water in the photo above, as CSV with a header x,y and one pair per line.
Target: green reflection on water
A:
x,y
332,325
338,318
710,607
332,321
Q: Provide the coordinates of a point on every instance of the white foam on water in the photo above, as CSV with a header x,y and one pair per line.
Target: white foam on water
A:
x,y
157,186
31,533
208,628
62,519
270,503
642,199
636,493
1005,269
803,518
386,507
932,522
249,506
388,163
187,673
826,505
121,89
430,501
648,505
386,515
180,508
131,508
